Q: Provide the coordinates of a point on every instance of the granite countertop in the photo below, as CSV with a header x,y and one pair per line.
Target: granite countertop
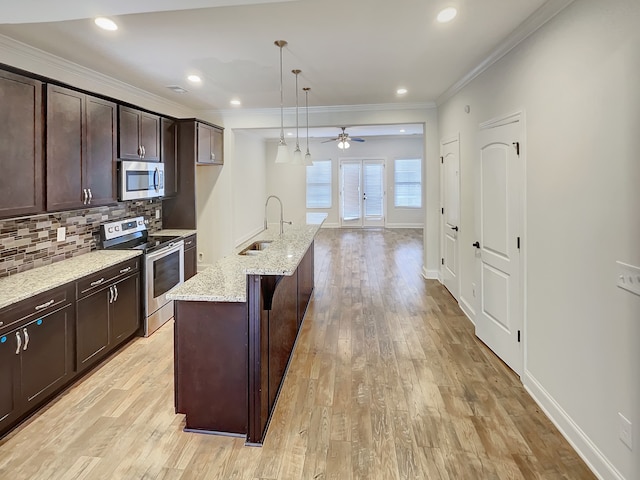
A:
x,y
32,282
174,232
226,281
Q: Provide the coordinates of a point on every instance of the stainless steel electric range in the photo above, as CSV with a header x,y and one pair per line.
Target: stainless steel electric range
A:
x,y
163,265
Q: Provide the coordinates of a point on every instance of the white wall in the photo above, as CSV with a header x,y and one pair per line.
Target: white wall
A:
x,y
578,82
290,181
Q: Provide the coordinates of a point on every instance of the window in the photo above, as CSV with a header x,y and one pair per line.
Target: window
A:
x,y
319,184
408,183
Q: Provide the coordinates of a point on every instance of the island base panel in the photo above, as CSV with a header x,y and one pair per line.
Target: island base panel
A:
x,y
211,366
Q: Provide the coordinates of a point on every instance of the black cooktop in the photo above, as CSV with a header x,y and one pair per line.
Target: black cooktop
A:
x,y
146,243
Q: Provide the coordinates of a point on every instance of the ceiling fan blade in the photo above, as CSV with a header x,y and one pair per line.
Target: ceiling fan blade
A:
x,y
356,139
330,140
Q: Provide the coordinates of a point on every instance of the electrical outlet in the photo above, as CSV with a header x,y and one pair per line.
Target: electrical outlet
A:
x,y
157,214
200,256
61,234
628,277
626,431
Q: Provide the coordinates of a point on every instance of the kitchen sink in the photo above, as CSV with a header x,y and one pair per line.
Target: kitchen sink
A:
x,y
255,248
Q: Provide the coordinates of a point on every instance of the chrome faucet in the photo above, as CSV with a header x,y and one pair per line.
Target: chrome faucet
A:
x,y
282,222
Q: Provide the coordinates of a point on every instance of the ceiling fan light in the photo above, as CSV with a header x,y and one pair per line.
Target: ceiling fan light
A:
x,y
343,145
308,161
297,157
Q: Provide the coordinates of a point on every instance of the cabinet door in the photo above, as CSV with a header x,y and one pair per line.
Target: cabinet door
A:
x,y
125,309
168,156
101,151
92,328
47,354
217,142
205,139
65,148
10,405
190,263
21,118
129,133
150,136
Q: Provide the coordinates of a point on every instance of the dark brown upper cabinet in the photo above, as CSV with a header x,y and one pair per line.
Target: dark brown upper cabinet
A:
x,y
21,144
169,155
138,135
209,142
81,149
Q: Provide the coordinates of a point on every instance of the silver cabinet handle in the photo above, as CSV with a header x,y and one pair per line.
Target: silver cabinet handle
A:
x,y
115,287
45,305
111,294
19,343
144,151
26,338
85,197
125,270
90,195
213,156
97,282
139,152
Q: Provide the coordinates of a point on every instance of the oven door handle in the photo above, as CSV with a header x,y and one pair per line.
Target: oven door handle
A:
x,y
172,247
156,178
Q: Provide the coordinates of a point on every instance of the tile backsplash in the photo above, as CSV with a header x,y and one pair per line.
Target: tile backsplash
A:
x,y
30,242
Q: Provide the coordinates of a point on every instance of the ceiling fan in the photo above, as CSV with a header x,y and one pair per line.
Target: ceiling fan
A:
x,y
343,139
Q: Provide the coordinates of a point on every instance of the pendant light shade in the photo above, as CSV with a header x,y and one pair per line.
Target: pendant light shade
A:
x,y
308,161
283,152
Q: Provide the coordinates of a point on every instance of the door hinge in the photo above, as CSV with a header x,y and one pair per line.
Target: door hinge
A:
x,y
441,159
442,210
442,261
518,243
518,336
517,145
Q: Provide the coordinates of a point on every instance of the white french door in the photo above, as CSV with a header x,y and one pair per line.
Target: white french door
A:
x,y
362,193
499,203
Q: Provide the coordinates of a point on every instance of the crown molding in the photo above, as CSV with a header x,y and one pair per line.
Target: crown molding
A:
x,y
65,68
532,24
237,112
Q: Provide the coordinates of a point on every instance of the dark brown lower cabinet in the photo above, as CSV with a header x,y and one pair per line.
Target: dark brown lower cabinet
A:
x,y
36,353
108,311
231,358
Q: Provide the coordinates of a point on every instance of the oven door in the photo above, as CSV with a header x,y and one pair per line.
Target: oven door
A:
x,y
138,180
164,270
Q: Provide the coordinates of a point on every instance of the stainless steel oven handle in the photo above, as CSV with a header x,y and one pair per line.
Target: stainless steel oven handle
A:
x,y
172,247
156,176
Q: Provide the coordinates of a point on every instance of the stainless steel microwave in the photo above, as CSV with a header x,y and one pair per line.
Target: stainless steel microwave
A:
x,y
138,180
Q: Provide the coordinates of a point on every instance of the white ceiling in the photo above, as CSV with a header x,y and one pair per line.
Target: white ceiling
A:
x,y
351,52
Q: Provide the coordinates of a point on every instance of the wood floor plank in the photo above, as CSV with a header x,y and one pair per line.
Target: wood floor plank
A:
x,y
387,381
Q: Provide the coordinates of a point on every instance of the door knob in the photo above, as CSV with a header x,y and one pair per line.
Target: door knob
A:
x,y
476,244
454,228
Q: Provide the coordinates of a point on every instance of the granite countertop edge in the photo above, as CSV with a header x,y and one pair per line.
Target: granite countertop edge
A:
x,y
24,285
226,281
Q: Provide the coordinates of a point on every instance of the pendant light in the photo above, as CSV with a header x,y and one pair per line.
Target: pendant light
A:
x,y
307,156
297,153
283,151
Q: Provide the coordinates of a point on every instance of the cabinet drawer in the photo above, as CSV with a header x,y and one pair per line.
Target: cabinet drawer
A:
x,y
97,280
34,307
190,242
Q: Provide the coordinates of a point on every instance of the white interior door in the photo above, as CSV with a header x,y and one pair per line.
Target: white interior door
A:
x,y
499,198
362,193
450,175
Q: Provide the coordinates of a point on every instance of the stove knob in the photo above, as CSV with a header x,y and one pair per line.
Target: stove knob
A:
x,y
110,229
140,222
117,228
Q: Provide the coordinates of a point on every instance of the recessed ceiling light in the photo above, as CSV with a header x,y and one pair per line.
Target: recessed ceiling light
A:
x,y
194,79
402,130
401,91
447,15
236,102
106,23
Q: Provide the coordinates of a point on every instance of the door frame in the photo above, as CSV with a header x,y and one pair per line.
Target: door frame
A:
x,y
362,160
443,142
520,117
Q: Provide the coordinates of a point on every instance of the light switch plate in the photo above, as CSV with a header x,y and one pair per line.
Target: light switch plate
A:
x,y
628,277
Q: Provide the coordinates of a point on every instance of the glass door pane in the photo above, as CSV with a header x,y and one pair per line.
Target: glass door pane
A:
x,y
351,196
373,193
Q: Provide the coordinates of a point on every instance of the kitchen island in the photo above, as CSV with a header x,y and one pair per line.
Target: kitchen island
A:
x,y
236,324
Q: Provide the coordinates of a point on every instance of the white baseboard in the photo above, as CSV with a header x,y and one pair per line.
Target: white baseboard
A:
x,y
467,309
203,266
430,274
578,439
404,225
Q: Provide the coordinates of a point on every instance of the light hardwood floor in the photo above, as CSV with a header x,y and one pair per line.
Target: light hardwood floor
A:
x,y
387,382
